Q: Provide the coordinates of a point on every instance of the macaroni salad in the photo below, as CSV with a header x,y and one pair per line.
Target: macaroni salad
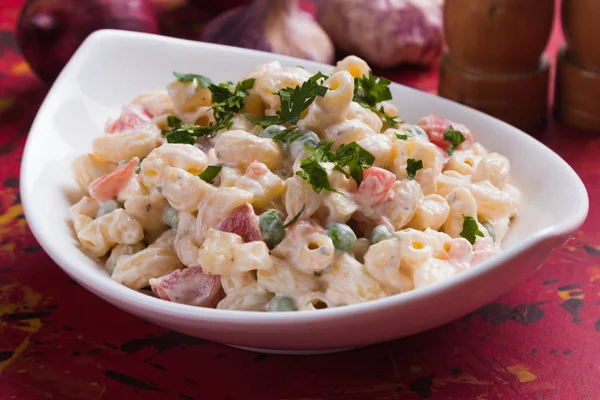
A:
x,y
287,191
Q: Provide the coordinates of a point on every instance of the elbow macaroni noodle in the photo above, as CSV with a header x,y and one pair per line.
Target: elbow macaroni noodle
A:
x,y
261,235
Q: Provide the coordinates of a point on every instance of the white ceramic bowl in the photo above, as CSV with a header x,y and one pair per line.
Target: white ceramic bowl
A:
x,y
112,67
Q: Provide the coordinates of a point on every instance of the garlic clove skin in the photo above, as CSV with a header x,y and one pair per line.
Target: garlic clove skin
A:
x,y
385,32
276,26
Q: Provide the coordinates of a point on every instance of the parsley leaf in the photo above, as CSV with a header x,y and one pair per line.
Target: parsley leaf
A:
x,y
401,136
368,91
228,85
351,155
293,220
454,137
220,93
210,173
184,133
228,104
314,173
371,89
246,84
356,158
173,121
322,152
203,81
412,166
265,122
283,135
391,121
294,101
470,229
325,145
295,137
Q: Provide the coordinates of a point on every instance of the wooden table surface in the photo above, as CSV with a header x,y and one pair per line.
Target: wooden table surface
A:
x,y
58,341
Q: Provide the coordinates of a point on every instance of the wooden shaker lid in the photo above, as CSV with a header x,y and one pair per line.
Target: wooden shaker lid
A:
x,y
519,99
498,35
581,20
577,100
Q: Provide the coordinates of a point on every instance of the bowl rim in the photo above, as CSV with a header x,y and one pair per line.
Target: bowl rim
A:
x,y
122,295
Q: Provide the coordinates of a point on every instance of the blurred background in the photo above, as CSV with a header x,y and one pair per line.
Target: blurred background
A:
x,y
385,34
487,54
539,341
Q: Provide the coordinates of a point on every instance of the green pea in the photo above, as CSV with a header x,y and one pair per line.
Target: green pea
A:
x,y
108,207
171,217
271,227
282,303
299,140
342,236
380,233
271,131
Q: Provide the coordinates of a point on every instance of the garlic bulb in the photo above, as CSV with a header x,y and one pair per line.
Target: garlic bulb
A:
x,y
277,26
385,32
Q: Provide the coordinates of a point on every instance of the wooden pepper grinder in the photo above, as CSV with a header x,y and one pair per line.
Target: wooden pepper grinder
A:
x,y
577,100
494,60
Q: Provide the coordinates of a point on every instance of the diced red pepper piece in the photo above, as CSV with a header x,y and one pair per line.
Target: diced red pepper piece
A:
x,y
375,186
435,127
107,187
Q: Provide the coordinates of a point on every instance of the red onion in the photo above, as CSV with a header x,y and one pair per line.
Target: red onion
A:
x,y
385,33
277,26
49,31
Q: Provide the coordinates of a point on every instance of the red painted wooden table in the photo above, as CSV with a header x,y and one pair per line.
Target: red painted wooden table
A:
x,y
58,341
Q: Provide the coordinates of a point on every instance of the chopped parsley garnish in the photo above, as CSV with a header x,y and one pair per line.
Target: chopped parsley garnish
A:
x,y
293,220
185,133
210,173
229,101
265,122
356,158
371,89
401,136
223,90
282,136
412,166
325,146
470,229
294,101
454,137
391,121
314,173
202,80
351,155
